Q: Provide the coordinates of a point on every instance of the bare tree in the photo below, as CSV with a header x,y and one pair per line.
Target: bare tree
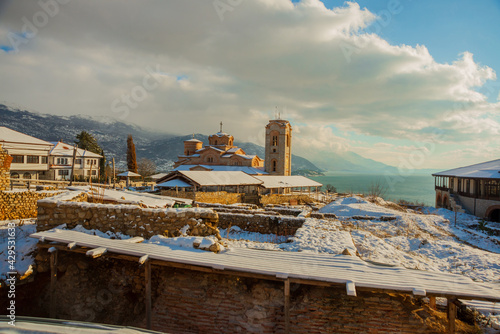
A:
x,y
377,189
146,167
331,188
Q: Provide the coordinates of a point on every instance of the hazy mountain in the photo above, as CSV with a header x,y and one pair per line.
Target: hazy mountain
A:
x,y
111,135
350,162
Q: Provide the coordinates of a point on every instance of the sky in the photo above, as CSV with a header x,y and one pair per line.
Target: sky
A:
x,y
412,84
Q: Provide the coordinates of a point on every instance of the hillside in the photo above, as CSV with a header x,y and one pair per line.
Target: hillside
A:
x,y
161,148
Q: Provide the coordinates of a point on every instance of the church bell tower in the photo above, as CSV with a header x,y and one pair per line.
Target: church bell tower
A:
x,y
278,159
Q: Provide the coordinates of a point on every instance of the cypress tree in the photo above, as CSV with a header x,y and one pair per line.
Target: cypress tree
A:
x,y
131,158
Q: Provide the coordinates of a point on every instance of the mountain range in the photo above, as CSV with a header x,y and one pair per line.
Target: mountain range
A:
x,y
161,148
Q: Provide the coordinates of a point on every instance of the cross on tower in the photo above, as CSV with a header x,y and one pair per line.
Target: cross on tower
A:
x,y
221,126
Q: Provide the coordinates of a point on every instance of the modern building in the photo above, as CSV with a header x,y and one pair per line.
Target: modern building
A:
x,y
61,161
30,155
33,158
474,188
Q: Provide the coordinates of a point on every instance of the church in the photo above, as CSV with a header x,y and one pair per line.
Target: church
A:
x,y
221,155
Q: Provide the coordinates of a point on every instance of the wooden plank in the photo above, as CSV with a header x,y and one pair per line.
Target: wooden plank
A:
x,y
148,293
96,252
135,240
257,276
144,259
452,314
351,289
53,281
72,245
432,302
260,264
287,306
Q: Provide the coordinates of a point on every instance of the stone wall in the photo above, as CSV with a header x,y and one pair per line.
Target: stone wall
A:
x,y
221,197
477,207
131,220
112,291
281,199
5,161
179,194
285,210
21,204
265,224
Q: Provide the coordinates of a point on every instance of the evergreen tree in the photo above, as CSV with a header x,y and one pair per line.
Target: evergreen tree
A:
x,y
86,141
131,158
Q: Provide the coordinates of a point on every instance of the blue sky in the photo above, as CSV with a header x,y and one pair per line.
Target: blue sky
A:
x,y
446,27
393,80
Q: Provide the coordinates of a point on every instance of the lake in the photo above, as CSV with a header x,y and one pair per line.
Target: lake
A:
x,y
418,187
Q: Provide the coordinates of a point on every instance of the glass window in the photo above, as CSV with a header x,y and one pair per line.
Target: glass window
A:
x,y
63,172
18,159
44,160
14,175
33,159
26,175
78,161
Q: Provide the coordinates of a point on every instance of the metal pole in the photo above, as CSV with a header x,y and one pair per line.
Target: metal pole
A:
x,y
114,180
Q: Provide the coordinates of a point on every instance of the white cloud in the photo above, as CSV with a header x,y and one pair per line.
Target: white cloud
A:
x,y
262,54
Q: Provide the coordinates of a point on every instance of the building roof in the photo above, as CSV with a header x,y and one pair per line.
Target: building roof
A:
x,y
11,136
129,174
220,168
485,170
221,134
350,271
194,140
158,176
220,178
63,149
233,150
280,181
174,183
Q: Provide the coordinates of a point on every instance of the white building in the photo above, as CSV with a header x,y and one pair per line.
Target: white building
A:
x,y
30,155
33,158
475,188
61,160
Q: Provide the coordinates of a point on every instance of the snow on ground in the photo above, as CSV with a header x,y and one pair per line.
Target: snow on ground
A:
x,y
24,245
419,241
378,232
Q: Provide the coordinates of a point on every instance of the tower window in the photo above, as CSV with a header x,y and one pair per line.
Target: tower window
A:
x,y
275,141
216,142
274,165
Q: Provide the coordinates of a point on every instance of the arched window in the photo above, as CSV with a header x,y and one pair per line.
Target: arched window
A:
x,y
275,141
210,159
274,165
26,175
14,175
216,142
